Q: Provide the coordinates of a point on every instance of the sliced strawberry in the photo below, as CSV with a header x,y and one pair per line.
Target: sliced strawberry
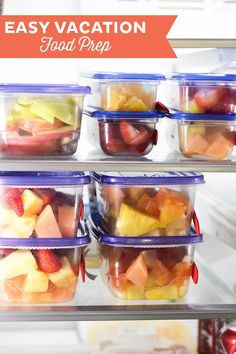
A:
x,y
12,199
134,135
208,99
47,261
7,251
46,194
114,146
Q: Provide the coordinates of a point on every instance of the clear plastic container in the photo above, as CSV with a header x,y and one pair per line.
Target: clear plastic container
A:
x,y
123,133
146,204
41,204
151,268
201,93
40,119
203,136
119,91
36,271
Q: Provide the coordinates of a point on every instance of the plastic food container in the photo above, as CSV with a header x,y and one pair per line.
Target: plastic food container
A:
x,y
204,136
146,204
123,133
201,93
41,204
119,91
40,119
151,268
40,271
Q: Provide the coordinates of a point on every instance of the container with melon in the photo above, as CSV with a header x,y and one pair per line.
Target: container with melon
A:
x,y
150,268
206,93
146,204
41,119
203,136
41,204
122,91
40,271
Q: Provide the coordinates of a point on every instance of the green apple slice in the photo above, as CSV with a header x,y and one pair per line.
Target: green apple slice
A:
x,y
19,113
49,108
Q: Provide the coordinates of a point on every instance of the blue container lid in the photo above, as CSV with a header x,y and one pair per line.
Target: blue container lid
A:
x,y
202,117
138,242
125,115
158,178
201,77
44,178
116,76
45,88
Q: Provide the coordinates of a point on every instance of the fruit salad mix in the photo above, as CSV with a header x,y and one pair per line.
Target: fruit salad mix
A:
x,y
209,140
128,96
212,99
152,274
131,138
38,212
38,276
142,211
42,125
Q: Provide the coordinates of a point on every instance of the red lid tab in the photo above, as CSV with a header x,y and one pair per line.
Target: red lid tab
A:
x,y
155,137
161,107
82,269
81,210
196,224
195,273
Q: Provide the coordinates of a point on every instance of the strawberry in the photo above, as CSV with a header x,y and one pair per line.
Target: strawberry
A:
x,y
46,194
7,251
47,261
114,146
134,135
208,99
12,199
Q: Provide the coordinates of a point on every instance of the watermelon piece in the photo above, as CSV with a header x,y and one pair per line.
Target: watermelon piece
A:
x,y
160,274
137,273
220,147
196,144
150,257
46,225
67,220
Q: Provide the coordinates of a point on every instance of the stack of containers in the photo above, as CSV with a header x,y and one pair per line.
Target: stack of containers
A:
x,y
203,118
121,112
143,228
41,235
40,119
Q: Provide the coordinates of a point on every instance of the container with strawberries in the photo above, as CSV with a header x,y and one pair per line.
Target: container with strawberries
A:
x,y
41,270
146,204
205,121
40,119
41,204
123,133
146,268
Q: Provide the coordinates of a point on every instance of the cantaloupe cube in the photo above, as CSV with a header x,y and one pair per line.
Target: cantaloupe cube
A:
x,y
17,263
31,202
196,144
67,220
36,281
65,276
132,222
137,273
134,292
220,148
47,225
160,274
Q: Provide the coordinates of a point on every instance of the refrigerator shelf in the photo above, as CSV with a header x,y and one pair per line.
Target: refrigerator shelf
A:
x,y
210,299
96,161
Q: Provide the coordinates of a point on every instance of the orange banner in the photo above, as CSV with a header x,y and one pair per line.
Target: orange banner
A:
x,y
85,36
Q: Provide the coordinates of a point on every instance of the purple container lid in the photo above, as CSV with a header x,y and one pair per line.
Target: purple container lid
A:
x,y
45,88
158,178
44,178
152,241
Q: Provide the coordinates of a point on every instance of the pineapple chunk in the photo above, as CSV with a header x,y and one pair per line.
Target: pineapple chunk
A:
x,y
65,276
7,217
191,107
198,129
36,281
182,291
162,293
24,226
132,222
134,292
17,263
31,202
